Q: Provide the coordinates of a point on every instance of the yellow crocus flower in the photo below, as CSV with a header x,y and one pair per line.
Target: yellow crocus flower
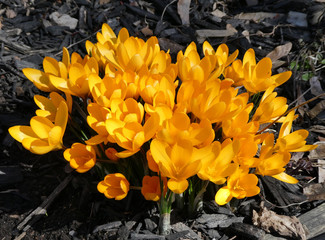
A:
x,y
114,186
239,125
179,127
77,82
106,89
294,141
124,125
219,166
81,157
192,68
270,107
256,77
48,107
43,136
97,121
178,162
51,68
240,184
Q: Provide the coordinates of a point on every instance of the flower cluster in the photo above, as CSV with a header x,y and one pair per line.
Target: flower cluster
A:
x,y
198,119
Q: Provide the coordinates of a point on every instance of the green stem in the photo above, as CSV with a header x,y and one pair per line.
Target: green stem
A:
x,y
165,209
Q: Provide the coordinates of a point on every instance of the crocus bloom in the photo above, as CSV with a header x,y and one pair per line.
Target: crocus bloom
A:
x,y
217,101
238,126
256,77
43,136
270,107
153,166
81,157
48,107
192,68
51,68
132,54
96,120
240,184
292,142
114,186
222,51
152,85
125,126
178,162
103,90
111,154
271,163
179,126
107,36
151,189
222,54
76,80
219,166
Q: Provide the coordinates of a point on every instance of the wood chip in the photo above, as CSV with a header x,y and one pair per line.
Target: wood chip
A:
x,y
258,16
280,51
319,107
183,9
319,152
207,33
283,225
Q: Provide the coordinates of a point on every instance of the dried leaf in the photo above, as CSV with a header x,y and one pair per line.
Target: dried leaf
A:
x,y
101,2
147,31
280,51
316,87
321,173
285,226
319,152
315,191
206,33
10,13
218,13
183,9
246,34
319,107
258,16
317,129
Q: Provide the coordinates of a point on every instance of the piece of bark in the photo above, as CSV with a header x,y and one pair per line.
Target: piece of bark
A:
x,y
245,231
10,174
287,226
314,221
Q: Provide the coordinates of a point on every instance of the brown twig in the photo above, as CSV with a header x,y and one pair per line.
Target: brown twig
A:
x,y
41,210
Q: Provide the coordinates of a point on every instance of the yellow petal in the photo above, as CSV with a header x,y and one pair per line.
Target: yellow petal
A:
x,y
126,153
285,178
19,133
39,79
95,140
223,196
55,136
65,57
41,126
51,66
40,147
67,154
61,117
177,186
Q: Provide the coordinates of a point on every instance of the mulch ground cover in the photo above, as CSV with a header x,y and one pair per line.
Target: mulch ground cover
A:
x,y
41,198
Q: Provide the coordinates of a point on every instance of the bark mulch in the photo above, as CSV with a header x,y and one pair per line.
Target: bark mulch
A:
x,y
40,198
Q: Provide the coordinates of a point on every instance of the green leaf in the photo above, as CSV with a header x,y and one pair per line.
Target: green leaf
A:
x,y
307,76
294,65
323,61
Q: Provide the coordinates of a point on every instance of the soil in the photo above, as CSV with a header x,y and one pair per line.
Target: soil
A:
x,y
79,211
